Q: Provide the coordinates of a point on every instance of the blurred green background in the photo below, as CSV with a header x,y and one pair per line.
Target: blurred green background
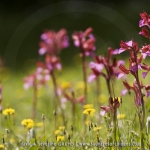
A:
x,y
23,21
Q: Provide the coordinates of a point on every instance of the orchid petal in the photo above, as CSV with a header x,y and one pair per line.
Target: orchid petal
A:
x,y
77,43
121,50
115,52
91,77
120,75
144,55
120,62
124,92
26,86
47,77
58,66
102,112
141,23
147,93
144,74
42,51
129,43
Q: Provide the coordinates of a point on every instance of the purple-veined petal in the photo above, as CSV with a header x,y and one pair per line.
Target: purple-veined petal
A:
x,y
58,66
148,53
102,112
91,36
43,36
98,67
49,66
134,68
141,23
144,74
39,70
115,52
26,86
144,55
147,93
63,100
120,75
42,51
48,41
121,50
92,64
91,77
120,62
77,43
129,43
65,42
47,77
139,67
87,53
124,92
141,33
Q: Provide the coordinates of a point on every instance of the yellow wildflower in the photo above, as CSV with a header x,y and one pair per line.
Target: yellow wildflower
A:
x,y
89,111
88,106
61,127
8,111
103,98
12,140
97,128
121,116
57,132
39,124
1,146
65,85
60,138
28,123
81,85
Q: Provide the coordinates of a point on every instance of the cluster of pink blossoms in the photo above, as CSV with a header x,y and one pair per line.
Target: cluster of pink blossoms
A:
x,y
40,77
111,66
85,41
53,42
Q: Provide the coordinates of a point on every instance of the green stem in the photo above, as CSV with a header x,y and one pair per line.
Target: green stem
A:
x,y
84,76
34,100
97,92
55,89
73,113
57,97
109,89
114,122
141,120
